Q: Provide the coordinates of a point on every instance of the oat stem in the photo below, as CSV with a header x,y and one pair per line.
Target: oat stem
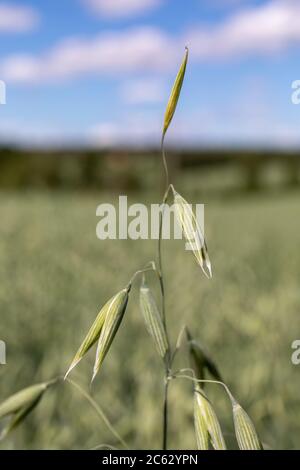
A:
x,y
162,288
99,412
170,110
165,413
164,161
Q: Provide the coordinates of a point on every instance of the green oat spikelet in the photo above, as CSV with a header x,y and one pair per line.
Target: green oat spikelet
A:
x,y
115,310
192,232
245,432
90,339
153,320
211,420
175,93
201,431
19,405
200,360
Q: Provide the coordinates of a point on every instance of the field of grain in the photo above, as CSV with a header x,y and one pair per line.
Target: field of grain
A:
x,y
55,275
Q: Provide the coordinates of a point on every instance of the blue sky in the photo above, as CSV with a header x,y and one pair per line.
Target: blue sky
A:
x,y
99,72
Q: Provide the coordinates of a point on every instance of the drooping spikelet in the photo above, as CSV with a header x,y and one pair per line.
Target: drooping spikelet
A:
x,y
192,232
19,405
114,307
245,432
115,310
210,419
153,320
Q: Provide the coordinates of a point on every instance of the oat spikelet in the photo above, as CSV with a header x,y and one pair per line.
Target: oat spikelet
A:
x,y
90,339
245,432
192,232
200,360
175,93
211,420
153,320
201,431
19,405
115,310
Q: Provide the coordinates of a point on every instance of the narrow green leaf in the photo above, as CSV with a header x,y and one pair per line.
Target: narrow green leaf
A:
x,y
115,310
153,320
175,93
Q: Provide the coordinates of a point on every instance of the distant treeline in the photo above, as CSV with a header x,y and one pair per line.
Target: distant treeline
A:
x,y
66,169
128,169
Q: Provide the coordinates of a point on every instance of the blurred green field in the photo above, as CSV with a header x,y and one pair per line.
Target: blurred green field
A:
x,y
55,274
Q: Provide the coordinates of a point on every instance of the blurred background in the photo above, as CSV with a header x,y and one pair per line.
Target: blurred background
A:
x,y
87,83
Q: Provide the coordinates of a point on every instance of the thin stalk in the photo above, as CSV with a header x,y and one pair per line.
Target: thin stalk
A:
x,y
162,288
165,414
141,271
99,412
160,267
164,161
218,382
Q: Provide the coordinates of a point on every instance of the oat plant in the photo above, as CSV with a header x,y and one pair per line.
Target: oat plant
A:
x,y
208,430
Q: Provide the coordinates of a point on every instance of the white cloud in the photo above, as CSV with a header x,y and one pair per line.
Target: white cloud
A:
x,y
121,8
16,18
248,117
134,130
266,29
206,128
34,133
134,50
143,91
104,134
